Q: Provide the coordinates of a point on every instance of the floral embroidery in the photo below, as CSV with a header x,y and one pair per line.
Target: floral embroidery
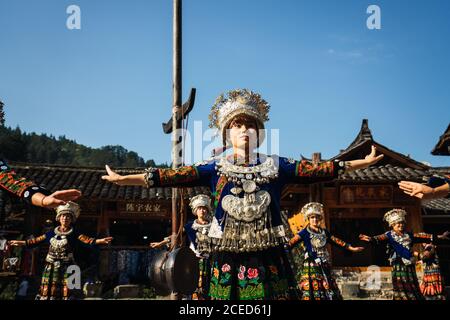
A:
x,y
252,273
168,177
86,239
35,241
219,187
226,268
306,168
338,241
12,182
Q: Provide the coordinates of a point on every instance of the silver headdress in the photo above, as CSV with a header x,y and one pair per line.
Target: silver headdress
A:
x,y
394,216
312,208
200,200
71,208
235,103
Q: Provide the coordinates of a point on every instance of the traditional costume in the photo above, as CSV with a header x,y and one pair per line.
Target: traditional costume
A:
x,y
248,257
201,244
316,281
60,255
401,258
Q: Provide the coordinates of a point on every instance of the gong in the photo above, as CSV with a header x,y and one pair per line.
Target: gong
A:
x,y
175,271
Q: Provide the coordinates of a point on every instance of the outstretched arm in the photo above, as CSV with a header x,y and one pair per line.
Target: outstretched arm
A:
x,y
185,176
294,241
341,243
104,241
55,199
29,243
422,191
369,160
328,169
375,239
30,192
165,242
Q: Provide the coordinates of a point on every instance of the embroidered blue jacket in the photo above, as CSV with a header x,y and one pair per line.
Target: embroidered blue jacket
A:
x,y
289,171
305,236
398,250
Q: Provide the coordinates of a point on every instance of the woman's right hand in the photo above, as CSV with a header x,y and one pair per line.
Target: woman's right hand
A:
x,y
363,237
155,245
112,176
17,243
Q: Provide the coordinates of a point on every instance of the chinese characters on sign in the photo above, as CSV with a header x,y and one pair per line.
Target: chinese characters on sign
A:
x,y
366,194
135,209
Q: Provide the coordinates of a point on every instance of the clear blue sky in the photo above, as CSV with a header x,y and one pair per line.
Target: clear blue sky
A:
x,y
315,62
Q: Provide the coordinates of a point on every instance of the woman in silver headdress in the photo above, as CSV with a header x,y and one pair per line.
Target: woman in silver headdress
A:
x,y
316,281
401,257
60,256
248,258
199,241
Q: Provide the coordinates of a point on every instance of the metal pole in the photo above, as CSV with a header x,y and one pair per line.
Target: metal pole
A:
x,y
176,107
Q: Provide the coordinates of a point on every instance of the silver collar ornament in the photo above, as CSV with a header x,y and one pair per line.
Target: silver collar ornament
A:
x,y
248,225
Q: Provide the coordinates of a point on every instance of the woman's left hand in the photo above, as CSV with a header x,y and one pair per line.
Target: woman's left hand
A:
x,y
106,240
372,158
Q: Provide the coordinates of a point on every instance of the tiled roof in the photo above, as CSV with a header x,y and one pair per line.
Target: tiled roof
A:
x,y
387,173
442,205
89,182
362,144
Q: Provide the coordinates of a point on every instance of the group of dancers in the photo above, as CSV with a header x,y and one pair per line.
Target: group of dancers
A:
x,y
242,245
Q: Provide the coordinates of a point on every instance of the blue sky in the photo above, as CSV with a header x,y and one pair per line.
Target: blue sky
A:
x,y
315,62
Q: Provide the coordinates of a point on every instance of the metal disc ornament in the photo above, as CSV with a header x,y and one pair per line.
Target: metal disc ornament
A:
x,y
249,186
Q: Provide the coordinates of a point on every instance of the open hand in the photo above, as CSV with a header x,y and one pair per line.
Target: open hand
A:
x,y
415,189
112,176
106,240
17,243
60,198
372,158
156,245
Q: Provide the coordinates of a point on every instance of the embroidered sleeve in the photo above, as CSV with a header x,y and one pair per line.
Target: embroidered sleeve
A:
x,y
338,242
36,241
295,240
187,176
307,170
423,238
380,238
86,240
21,187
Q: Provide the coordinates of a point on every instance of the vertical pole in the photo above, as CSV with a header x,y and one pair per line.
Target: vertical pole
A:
x,y
176,107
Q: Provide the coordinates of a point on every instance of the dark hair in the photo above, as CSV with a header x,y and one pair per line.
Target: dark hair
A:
x,y
243,119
